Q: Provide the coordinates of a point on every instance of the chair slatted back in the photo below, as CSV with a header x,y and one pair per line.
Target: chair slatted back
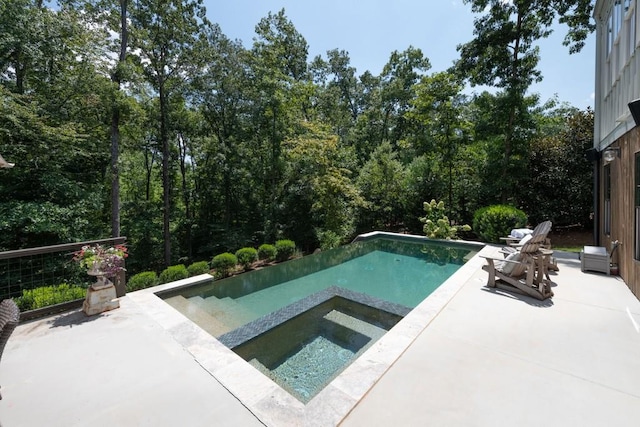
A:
x,y
9,318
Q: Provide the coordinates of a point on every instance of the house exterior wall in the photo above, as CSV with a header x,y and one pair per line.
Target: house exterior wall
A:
x,y
618,83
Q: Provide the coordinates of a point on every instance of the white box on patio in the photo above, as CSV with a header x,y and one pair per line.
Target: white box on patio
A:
x,y
595,258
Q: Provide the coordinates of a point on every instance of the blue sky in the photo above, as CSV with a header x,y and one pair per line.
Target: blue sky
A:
x,y
369,30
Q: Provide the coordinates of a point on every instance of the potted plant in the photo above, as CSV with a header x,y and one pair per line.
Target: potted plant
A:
x,y
101,262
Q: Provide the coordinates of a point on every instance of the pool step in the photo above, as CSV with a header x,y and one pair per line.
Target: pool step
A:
x,y
360,326
225,310
197,315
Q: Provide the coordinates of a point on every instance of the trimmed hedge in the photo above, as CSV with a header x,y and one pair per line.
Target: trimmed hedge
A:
x,y
46,296
145,279
200,267
173,273
285,249
267,252
492,222
246,257
224,263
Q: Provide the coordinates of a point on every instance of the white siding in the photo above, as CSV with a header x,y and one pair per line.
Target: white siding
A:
x,y
617,80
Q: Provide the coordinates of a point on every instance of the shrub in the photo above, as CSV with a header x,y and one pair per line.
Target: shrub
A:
x,y
285,249
200,267
173,273
267,252
224,264
492,222
328,239
143,280
436,223
246,256
45,296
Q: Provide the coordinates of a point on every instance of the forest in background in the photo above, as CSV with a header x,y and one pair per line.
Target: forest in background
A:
x,y
142,119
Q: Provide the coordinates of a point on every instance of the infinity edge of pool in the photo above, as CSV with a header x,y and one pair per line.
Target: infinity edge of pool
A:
x,y
271,404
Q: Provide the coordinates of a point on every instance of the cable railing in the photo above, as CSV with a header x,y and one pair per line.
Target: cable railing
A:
x,y
47,277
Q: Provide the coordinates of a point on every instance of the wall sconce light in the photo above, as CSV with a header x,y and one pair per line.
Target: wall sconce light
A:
x,y
610,154
634,107
5,164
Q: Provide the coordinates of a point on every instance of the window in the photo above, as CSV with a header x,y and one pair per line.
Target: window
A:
x,y
617,18
631,37
609,33
637,209
607,200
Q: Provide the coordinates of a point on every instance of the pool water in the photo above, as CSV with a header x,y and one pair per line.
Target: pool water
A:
x,y
399,272
306,352
304,321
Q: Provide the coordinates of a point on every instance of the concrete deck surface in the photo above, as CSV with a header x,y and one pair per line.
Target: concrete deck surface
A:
x,y
488,358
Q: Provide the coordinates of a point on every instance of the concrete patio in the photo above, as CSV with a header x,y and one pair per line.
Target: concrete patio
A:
x,y
486,358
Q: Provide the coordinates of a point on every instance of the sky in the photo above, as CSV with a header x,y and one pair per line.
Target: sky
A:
x,y
370,30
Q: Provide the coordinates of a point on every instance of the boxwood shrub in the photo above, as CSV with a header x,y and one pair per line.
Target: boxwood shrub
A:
x,y
145,279
285,249
46,296
492,222
224,264
200,267
173,273
267,252
246,257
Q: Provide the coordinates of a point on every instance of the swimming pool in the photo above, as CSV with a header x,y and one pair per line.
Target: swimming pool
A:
x,y
270,402
256,310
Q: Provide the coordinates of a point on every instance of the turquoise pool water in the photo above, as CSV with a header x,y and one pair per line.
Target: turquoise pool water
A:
x,y
400,272
304,321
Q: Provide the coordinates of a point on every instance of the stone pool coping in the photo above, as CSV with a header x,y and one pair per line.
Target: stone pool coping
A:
x,y
271,404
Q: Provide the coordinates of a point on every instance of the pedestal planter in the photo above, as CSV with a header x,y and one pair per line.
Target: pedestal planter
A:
x,y
101,295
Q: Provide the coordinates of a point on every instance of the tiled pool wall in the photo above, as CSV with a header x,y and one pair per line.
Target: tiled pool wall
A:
x,y
271,404
305,345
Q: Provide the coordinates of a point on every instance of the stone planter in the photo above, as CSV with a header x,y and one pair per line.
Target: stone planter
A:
x,y
101,295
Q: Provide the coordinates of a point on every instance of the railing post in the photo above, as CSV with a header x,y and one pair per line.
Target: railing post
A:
x,y
120,281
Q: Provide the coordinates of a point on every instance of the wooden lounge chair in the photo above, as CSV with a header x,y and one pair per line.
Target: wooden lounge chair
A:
x,y
539,237
9,318
523,272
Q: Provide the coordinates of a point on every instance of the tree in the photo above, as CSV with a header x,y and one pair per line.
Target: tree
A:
x,y
168,36
279,81
503,55
317,182
380,183
560,171
438,108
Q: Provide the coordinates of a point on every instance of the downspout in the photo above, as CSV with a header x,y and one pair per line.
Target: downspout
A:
x,y
596,199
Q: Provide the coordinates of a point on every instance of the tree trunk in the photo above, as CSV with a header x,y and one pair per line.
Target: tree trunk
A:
x,y
166,181
116,78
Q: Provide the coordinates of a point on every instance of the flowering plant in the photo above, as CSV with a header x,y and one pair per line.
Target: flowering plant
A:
x,y
108,261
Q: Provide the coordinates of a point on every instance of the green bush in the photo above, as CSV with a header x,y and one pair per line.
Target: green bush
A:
x,y
285,249
224,263
200,267
46,296
267,252
173,273
246,257
492,222
143,280
328,239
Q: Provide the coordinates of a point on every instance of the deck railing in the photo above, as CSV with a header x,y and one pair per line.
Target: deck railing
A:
x,y
48,266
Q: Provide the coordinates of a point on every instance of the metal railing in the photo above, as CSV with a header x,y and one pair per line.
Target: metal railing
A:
x,y
49,267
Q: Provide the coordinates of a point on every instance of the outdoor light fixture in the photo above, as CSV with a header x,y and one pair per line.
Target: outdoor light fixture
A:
x,y
634,107
5,164
610,154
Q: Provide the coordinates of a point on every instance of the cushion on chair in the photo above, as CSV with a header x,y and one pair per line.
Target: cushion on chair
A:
x,y
525,239
507,267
